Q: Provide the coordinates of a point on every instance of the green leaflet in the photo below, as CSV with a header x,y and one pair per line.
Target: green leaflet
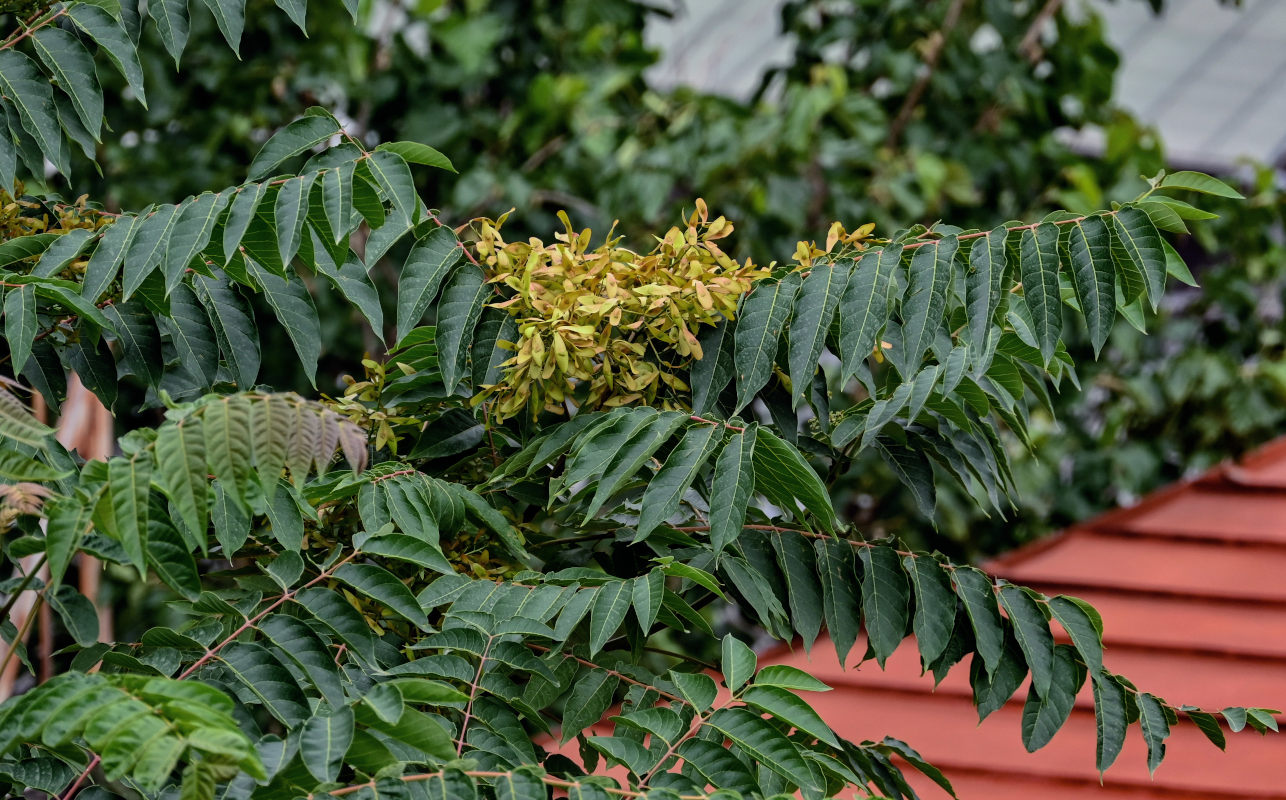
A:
x,y
231,18
912,467
171,18
925,302
73,68
885,599
69,521
226,423
189,330
268,680
140,340
234,327
590,696
105,262
666,489
1089,252
338,615
646,594
20,324
790,708
798,565
148,247
458,314
975,590
191,234
784,477
754,586
393,177
1038,266
490,353
301,644
336,189
763,318
303,134
24,85
110,35
1045,712
714,370
733,483
127,502
297,11
840,603
992,688
864,307
324,740
92,362
62,251
984,284
351,280
608,612
627,461
1197,182
762,742
241,212
1136,249
815,305
738,662
181,470
416,153
1084,625
290,208
380,585
170,556
1154,723
1110,718
1031,629
935,606
290,299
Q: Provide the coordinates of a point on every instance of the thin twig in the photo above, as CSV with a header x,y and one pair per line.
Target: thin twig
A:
x,y
936,45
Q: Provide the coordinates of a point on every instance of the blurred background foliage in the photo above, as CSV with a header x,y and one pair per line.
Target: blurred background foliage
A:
x,y
890,111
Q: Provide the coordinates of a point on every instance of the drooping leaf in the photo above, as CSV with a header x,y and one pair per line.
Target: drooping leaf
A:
x,y
1110,719
426,266
1031,629
733,483
864,307
181,470
110,35
935,606
1136,248
785,478
815,305
230,15
171,18
73,68
840,602
1044,713
1084,625
799,567
20,324
885,597
1155,726
458,314
295,311
666,489
324,740
975,590
1089,250
1039,270
23,84
923,306
763,317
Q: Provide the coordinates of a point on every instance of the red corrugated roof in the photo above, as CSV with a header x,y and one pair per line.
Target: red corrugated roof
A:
x,y
1191,583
